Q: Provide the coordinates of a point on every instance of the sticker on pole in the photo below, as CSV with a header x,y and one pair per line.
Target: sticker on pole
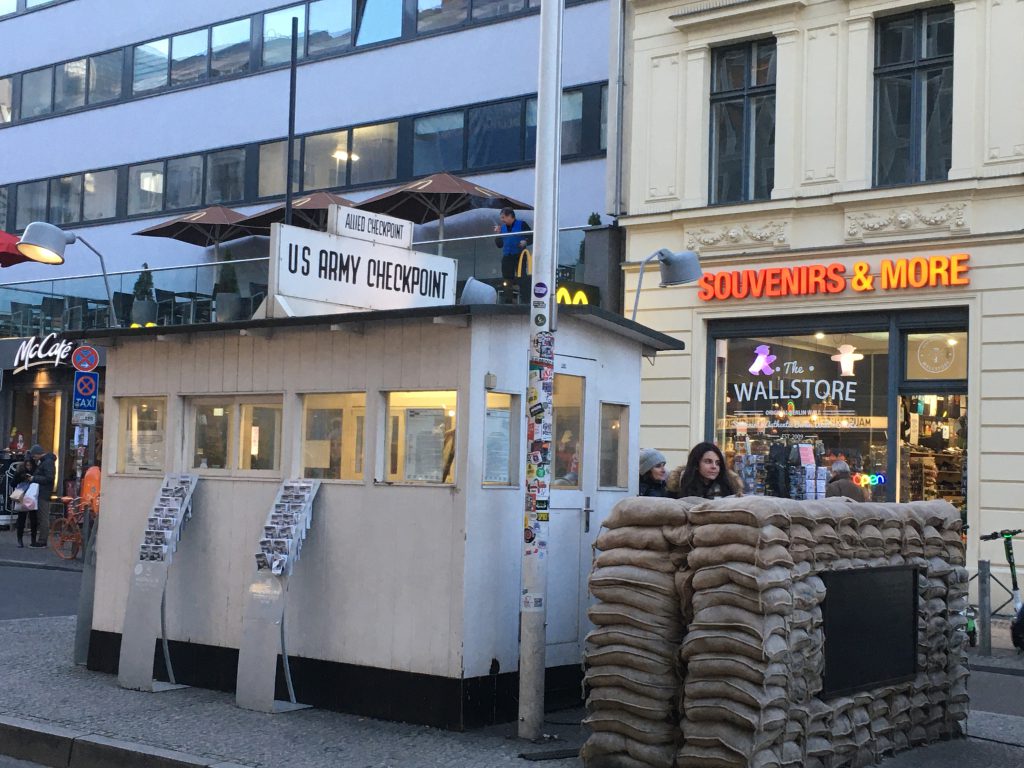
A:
x,y
540,290
86,391
85,358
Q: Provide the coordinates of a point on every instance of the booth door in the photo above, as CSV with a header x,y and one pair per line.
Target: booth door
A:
x,y
568,543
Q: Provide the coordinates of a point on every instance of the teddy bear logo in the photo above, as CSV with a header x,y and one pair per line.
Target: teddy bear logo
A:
x,y
763,362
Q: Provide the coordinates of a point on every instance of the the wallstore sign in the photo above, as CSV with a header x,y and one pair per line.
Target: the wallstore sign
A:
x,y
812,279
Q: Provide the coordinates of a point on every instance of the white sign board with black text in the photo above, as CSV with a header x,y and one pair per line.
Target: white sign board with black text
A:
x,y
373,227
315,273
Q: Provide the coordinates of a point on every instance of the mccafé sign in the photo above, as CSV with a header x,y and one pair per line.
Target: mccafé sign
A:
x,y
50,350
811,279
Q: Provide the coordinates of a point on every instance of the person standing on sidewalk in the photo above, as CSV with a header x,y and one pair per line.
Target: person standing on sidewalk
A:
x,y
45,475
23,479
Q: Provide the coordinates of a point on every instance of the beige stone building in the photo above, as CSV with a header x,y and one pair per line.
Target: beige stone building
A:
x,y
850,173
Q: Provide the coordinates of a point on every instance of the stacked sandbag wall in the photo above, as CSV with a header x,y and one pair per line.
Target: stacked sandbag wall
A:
x,y
632,656
752,645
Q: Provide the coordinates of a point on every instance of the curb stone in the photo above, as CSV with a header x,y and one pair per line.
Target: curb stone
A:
x,y
58,747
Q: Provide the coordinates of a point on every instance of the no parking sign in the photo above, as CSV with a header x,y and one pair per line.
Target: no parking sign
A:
x,y
86,391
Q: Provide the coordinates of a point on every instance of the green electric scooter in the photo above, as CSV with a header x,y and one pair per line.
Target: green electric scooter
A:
x,y
1017,624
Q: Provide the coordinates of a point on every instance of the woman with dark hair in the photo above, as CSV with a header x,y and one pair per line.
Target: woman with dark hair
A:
x,y
704,475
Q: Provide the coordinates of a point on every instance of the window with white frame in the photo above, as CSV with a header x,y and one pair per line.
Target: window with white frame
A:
x,y
914,97
333,428
743,122
420,437
143,435
236,433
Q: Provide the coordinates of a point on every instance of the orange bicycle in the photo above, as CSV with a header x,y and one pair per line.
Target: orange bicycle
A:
x,y
66,532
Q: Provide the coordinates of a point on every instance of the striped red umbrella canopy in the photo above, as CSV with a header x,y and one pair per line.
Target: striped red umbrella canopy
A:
x,y
309,211
9,253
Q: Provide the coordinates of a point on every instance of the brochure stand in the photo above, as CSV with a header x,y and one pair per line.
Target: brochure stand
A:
x,y
145,615
263,631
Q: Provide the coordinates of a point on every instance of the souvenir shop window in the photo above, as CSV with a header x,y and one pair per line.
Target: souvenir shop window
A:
x,y
501,436
420,441
933,448
936,355
787,407
143,435
332,435
567,429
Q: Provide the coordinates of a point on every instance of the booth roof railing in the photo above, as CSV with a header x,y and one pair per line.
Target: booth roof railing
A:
x,y
189,294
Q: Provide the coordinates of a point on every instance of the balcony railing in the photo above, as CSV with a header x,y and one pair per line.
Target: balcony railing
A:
x,y
194,294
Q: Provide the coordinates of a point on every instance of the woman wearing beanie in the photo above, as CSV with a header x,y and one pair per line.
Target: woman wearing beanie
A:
x,y
652,473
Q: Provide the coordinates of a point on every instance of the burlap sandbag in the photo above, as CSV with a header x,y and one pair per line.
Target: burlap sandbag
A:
x,y
808,592
744,574
639,599
605,614
629,725
742,510
768,720
660,687
801,534
651,560
613,750
775,600
742,742
624,634
734,689
729,617
634,578
772,648
871,536
647,511
693,756
824,532
628,656
717,535
763,557
711,665
632,537
611,698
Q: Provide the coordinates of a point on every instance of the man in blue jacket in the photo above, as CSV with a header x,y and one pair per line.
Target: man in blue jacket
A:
x,y
511,250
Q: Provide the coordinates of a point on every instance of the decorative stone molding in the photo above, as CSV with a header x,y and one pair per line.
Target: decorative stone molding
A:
x,y
903,220
771,234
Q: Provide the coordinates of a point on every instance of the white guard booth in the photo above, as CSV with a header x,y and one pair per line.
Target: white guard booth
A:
x,y
405,602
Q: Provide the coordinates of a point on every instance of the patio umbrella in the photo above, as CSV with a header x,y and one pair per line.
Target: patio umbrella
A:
x,y
309,211
434,197
9,253
210,226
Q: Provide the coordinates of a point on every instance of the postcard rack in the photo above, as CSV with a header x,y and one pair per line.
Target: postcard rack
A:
x,y
145,615
263,626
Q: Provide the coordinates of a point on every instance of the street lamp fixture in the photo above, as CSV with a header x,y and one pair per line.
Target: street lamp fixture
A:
x,y
45,243
676,269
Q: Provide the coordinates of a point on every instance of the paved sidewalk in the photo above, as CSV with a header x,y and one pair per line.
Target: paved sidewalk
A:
x,y
58,714
41,557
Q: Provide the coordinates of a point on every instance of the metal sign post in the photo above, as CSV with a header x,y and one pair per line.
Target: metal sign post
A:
x,y
533,601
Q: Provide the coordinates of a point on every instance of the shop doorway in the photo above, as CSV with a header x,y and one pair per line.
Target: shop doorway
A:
x,y
933,448
37,416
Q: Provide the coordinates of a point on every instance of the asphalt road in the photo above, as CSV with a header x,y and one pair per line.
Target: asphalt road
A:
x,y
33,592
992,692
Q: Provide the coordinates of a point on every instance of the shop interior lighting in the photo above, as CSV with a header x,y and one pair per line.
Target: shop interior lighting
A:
x,y
951,341
676,269
45,243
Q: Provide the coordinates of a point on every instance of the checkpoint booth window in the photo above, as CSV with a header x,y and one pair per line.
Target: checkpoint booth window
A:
x,y
333,432
501,439
236,434
567,428
143,426
420,436
614,468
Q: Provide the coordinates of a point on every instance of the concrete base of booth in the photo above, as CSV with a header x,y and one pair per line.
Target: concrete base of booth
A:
x,y
387,694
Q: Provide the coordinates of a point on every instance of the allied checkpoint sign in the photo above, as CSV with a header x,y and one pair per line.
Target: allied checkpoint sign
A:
x,y
370,266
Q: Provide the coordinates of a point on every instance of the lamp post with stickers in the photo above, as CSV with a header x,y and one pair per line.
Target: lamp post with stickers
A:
x,y
533,598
